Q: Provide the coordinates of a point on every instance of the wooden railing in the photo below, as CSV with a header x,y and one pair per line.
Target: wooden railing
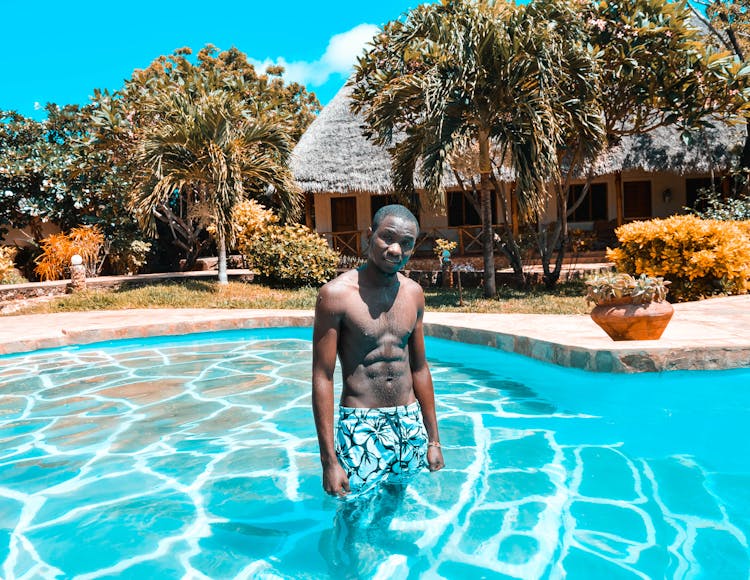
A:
x,y
469,240
346,243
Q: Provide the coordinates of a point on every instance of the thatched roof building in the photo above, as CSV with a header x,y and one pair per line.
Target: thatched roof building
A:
x,y
334,155
345,176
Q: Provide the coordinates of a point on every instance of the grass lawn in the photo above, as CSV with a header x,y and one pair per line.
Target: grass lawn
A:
x,y
566,299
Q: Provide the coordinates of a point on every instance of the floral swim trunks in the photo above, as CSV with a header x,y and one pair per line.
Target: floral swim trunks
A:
x,y
387,444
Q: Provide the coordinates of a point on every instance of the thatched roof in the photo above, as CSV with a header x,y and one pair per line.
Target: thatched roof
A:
x,y
334,155
664,150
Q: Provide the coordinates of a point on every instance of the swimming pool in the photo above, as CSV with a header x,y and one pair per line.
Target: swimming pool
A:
x,y
196,456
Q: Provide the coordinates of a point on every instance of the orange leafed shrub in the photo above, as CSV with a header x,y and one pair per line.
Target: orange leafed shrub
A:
x,y
700,257
57,250
249,216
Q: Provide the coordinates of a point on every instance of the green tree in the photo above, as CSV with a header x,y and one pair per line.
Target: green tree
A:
x,y
653,70
655,67
729,24
25,172
47,175
482,76
206,146
122,121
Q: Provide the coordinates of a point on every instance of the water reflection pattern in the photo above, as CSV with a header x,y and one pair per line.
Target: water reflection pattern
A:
x,y
199,459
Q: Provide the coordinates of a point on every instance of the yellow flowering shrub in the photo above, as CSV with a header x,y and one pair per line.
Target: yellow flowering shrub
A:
x,y
290,255
57,250
700,257
442,245
249,216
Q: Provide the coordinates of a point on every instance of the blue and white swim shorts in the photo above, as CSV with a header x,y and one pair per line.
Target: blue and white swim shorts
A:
x,y
387,444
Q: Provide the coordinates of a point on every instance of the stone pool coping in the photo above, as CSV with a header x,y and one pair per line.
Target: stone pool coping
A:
x,y
710,334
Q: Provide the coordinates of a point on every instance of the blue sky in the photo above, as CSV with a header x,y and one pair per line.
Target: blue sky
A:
x,y
60,51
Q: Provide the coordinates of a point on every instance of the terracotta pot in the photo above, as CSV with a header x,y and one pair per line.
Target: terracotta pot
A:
x,y
622,320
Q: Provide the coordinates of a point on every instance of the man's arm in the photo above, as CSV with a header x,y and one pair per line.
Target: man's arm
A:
x,y
423,389
325,340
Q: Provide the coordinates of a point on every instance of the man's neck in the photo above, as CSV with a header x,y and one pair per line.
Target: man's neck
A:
x,y
373,276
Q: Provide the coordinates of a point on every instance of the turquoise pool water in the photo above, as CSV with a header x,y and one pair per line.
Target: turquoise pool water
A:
x,y
196,457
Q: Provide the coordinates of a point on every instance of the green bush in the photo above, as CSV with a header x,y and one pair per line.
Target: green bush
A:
x,y
290,255
700,257
128,256
724,208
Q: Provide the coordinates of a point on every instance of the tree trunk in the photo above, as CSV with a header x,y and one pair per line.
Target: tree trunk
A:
x,y
508,245
184,235
222,247
560,240
488,238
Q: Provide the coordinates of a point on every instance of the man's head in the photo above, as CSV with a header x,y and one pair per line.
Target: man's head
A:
x,y
393,210
392,238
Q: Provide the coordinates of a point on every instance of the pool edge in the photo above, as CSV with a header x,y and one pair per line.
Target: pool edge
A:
x,y
693,341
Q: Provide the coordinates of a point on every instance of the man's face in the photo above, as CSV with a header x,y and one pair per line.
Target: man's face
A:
x,y
392,244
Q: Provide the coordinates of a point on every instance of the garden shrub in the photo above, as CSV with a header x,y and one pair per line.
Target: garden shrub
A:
x,y
700,257
721,207
289,255
8,272
250,216
128,256
57,249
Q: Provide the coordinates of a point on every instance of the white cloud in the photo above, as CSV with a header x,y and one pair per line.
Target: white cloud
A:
x,y
339,58
343,49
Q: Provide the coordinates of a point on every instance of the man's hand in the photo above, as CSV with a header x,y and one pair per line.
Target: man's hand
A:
x,y
435,458
335,481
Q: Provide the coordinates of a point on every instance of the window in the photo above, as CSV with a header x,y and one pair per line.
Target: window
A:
x,y
344,214
461,211
594,205
310,211
378,201
636,199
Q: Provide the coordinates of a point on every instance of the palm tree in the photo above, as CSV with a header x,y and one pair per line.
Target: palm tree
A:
x,y
464,74
205,148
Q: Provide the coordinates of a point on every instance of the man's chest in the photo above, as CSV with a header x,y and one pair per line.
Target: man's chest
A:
x,y
371,325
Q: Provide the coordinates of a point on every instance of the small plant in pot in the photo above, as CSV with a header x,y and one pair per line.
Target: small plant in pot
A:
x,y
629,308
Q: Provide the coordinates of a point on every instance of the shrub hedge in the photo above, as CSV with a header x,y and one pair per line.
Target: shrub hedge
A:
x,y
57,250
288,255
700,257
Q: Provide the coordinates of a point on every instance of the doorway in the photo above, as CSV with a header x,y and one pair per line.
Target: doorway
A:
x,y
636,200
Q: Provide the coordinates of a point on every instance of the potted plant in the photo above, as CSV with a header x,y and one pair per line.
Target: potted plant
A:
x,y
629,308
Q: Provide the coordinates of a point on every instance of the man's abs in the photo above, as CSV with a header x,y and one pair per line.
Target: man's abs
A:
x,y
380,384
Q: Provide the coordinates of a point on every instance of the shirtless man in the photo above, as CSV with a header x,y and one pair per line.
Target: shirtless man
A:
x,y
371,318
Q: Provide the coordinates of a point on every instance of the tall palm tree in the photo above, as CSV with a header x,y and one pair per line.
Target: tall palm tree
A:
x,y
206,148
468,73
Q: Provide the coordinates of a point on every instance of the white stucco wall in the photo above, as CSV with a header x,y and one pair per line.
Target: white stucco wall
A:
x,y
20,237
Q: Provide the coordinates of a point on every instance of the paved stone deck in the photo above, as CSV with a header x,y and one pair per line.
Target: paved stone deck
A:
x,y
711,334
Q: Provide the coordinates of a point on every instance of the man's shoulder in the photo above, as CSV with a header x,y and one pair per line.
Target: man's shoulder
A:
x,y
410,285
338,287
